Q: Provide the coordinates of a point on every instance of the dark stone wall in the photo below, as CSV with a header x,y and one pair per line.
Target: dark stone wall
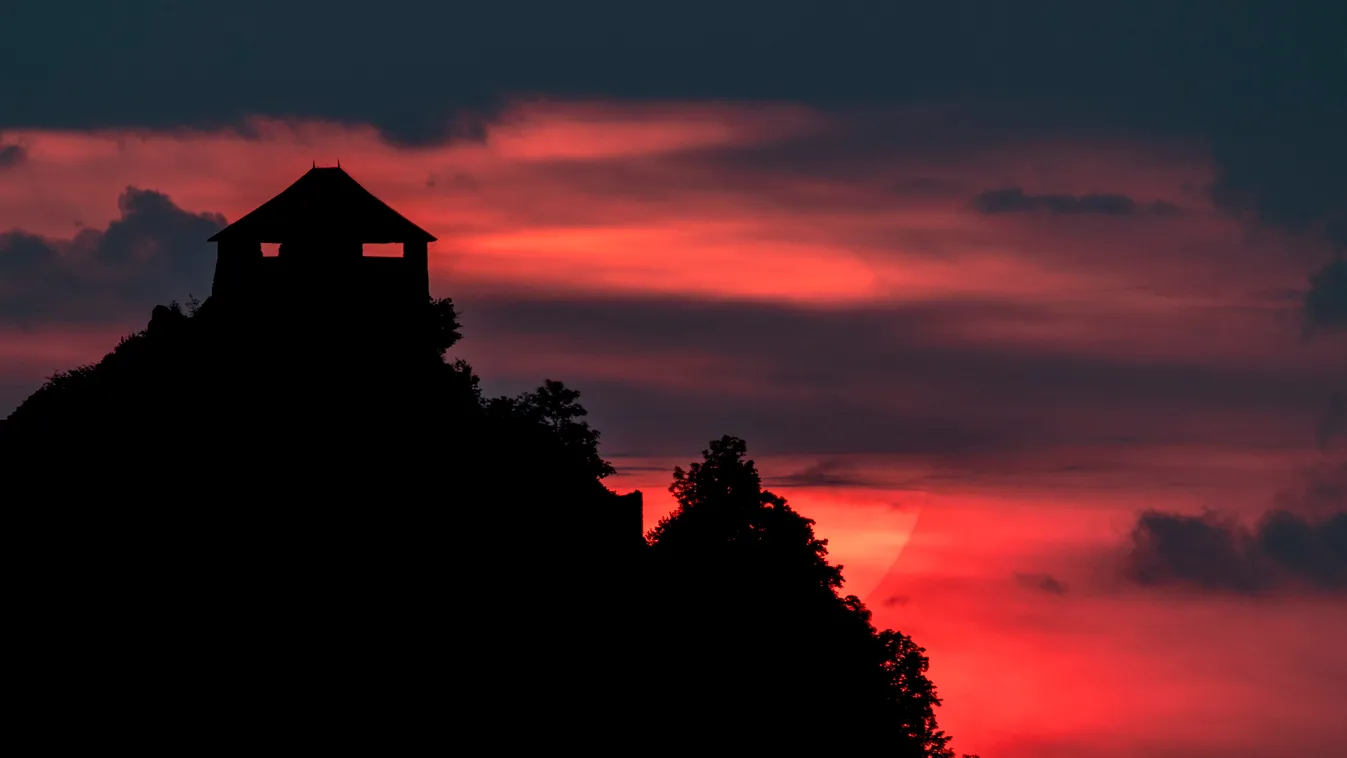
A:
x,y
237,265
241,272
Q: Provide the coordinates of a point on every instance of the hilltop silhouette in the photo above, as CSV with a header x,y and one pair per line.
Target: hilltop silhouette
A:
x,y
285,517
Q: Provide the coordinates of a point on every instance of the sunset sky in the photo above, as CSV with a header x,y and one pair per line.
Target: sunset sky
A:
x,y
1010,298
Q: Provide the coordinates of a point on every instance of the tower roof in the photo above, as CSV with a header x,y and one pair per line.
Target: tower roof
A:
x,y
324,203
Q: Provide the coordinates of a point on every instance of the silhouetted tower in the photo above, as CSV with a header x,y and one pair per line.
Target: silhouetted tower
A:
x,y
322,222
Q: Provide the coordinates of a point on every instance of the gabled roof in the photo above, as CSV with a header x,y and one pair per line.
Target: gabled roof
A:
x,y
325,203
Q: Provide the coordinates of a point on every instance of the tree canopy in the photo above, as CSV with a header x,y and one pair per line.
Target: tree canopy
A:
x,y
337,524
755,635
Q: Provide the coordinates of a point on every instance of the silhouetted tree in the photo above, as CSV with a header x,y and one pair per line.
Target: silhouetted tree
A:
x,y
442,325
328,513
754,635
555,408
292,518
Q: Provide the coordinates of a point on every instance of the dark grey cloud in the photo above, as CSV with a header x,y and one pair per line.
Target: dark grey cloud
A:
x,y
883,379
1322,488
152,253
640,420
1293,175
1326,300
828,472
869,141
1215,552
1209,550
1042,583
923,186
1260,86
1332,424
1147,60
1015,200
12,155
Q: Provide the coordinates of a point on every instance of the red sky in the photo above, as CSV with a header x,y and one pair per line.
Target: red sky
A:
x,y
973,406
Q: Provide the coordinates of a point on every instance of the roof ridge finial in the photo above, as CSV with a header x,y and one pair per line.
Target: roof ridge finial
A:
x,y
315,164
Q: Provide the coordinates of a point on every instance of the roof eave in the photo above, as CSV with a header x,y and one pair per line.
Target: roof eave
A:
x,y
420,236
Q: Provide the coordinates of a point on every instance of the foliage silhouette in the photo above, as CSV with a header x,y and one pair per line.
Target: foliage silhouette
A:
x,y
295,521
316,503
751,620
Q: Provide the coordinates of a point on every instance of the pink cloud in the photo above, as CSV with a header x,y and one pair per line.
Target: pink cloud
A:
x,y
492,222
